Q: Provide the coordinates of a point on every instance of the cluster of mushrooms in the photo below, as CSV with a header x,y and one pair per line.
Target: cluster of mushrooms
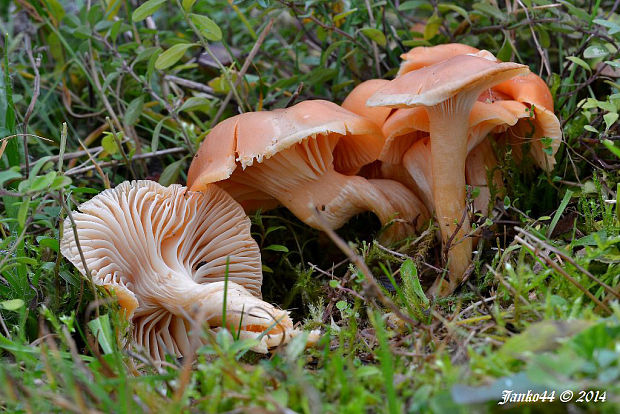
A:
x,y
404,149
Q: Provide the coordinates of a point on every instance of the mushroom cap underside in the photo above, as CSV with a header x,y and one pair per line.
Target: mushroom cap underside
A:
x,y
256,136
139,236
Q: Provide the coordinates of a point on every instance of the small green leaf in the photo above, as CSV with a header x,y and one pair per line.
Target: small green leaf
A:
x,y
595,51
48,242
559,211
277,248
443,7
342,305
207,27
609,144
590,128
195,103
9,174
42,182
343,15
102,330
334,283
375,35
610,119
579,62
172,55
613,27
171,173
146,9
109,143
543,35
134,109
432,26
12,305
60,182
506,202
330,49
505,52
156,132
22,213
489,10
409,274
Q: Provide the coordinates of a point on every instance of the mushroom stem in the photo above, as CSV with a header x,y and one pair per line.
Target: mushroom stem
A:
x,y
449,124
339,197
306,181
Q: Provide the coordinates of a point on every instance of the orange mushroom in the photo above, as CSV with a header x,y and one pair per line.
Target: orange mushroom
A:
x,y
448,91
302,157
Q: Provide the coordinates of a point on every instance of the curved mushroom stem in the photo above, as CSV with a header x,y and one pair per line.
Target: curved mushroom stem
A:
x,y
339,197
303,179
246,315
449,124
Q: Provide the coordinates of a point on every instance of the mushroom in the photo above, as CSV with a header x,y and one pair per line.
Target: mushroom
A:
x,y
303,157
448,90
529,89
170,254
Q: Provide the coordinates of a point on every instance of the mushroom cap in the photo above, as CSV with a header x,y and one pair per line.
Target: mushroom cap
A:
x,y
422,56
529,88
434,84
356,101
255,136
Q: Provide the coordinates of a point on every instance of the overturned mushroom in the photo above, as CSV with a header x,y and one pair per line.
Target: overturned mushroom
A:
x,y
303,157
165,252
448,90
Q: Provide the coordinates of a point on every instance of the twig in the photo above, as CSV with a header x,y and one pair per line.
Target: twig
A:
x,y
295,95
6,330
375,49
191,85
476,304
542,54
35,94
104,177
145,155
244,68
372,287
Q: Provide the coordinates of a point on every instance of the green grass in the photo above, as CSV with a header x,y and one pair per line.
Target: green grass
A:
x,y
539,312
